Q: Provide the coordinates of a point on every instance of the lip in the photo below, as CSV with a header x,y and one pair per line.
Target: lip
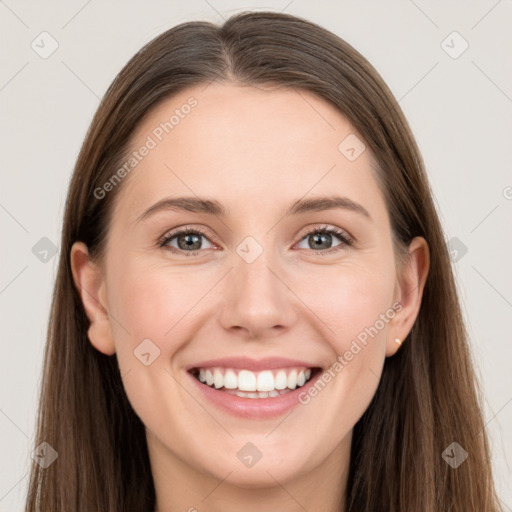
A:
x,y
245,363
254,408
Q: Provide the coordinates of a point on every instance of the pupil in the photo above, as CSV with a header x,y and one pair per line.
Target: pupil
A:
x,y
318,238
189,241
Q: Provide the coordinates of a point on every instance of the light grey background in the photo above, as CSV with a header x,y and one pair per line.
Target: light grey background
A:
x,y
460,110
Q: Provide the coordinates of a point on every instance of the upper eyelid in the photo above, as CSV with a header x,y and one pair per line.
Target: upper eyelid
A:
x,y
169,235
339,232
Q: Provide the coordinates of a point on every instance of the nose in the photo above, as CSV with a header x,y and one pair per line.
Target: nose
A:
x,y
259,303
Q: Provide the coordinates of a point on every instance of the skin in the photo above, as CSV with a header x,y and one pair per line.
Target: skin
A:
x,y
256,151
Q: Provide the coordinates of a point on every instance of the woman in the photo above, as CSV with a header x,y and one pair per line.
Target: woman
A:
x,y
254,308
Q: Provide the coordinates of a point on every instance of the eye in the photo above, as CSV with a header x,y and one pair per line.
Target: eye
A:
x,y
320,239
187,240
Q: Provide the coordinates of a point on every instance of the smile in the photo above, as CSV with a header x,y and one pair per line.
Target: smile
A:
x,y
249,384
252,388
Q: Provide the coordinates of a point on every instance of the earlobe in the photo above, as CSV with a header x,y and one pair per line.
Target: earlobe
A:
x,y
90,284
410,286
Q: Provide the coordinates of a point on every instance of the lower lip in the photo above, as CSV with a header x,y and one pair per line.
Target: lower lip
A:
x,y
263,408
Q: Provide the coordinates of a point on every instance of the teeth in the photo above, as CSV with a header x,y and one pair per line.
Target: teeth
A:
x,y
267,383
281,381
230,380
246,381
218,379
258,394
292,379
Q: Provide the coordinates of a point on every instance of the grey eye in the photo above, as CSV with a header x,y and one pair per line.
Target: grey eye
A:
x,y
319,241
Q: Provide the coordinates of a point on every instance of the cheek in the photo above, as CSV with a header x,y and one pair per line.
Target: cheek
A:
x,y
151,300
356,305
354,302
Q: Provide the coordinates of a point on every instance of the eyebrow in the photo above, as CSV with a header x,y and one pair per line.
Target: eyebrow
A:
x,y
213,207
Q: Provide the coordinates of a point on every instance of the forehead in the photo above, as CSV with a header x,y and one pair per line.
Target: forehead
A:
x,y
219,140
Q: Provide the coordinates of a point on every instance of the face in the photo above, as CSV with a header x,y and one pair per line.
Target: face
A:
x,y
273,288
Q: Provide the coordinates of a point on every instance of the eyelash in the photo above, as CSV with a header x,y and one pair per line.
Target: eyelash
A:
x,y
346,239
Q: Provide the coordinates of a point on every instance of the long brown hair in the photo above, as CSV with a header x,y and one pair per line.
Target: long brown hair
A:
x,y
428,396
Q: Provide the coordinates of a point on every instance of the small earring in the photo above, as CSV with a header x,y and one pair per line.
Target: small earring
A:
x,y
398,341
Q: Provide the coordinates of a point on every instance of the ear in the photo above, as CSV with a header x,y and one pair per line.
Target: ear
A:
x,y
90,283
409,291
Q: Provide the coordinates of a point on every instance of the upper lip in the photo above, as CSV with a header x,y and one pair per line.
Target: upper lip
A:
x,y
267,363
